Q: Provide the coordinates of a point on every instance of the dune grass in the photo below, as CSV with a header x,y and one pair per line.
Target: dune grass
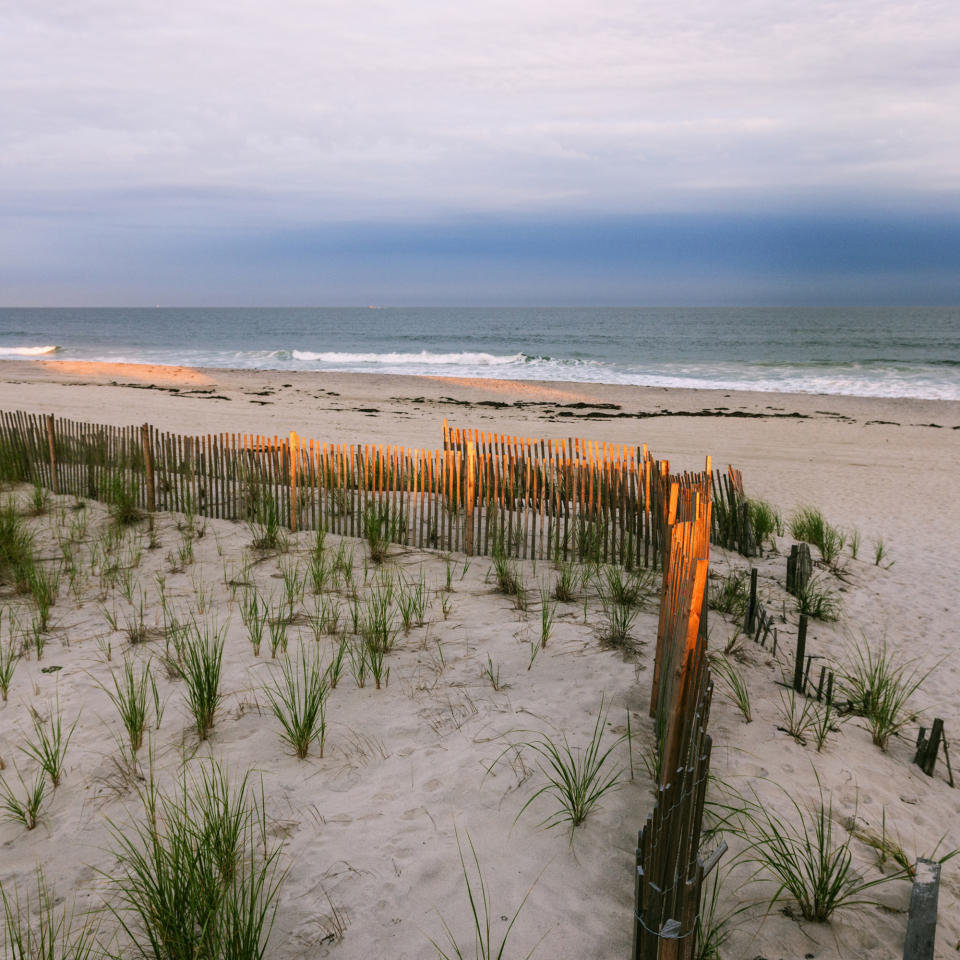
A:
x,y
23,809
622,595
564,586
380,529
16,546
412,601
548,612
714,925
797,715
294,585
266,531
730,594
255,611
818,600
198,875
809,524
200,665
505,573
49,746
735,687
765,521
810,864
121,495
129,696
577,777
56,934
298,698
9,658
879,687
888,847
43,585
486,945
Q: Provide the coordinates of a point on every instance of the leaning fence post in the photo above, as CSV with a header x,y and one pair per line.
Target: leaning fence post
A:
x,y
798,681
922,923
54,485
929,747
750,615
148,467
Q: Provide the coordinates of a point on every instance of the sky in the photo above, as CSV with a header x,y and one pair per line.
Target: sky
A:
x,y
546,151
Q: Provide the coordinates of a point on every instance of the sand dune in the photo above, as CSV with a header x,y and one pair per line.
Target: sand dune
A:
x,y
370,829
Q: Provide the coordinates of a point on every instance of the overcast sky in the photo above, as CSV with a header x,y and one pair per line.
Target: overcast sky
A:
x,y
435,152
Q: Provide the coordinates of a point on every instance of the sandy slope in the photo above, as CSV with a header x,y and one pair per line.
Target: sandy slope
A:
x,y
372,824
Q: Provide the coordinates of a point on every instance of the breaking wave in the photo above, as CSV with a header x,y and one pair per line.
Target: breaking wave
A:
x,y
423,358
27,351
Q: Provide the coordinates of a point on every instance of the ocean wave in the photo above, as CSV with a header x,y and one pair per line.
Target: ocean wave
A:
x,y
27,351
424,357
919,380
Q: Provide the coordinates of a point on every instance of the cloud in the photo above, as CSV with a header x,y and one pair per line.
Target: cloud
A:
x,y
480,106
316,151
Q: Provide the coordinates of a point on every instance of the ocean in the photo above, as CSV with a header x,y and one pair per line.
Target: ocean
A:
x,y
885,352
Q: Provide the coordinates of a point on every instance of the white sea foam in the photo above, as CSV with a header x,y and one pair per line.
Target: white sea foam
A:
x,y
423,358
920,381
27,351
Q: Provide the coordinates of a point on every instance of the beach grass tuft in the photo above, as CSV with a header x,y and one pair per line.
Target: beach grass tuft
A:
x,y
577,777
565,583
197,876
121,495
809,525
485,943
56,933
817,599
298,698
765,521
730,594
266,532
129,696
736,690
9,658
49,748
380,529
23,809
878,687
809,863
622,594
199,664
16,545
548,612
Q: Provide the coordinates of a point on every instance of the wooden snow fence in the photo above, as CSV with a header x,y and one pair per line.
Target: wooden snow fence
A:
x,y
732,528
566,499
570,499
670,868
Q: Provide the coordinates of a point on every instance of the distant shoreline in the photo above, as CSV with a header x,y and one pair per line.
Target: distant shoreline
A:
x,y
45,368
877,352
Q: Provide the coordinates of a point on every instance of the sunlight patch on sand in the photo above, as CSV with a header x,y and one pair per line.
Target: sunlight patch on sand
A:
x,y
532,391
139,372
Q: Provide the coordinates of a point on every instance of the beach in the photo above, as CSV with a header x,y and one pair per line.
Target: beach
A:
x,y
369,833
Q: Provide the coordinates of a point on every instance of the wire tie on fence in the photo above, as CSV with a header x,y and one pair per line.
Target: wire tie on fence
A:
x,y
666,932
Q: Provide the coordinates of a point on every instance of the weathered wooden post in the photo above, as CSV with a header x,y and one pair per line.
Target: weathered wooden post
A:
x,y
148,469
799,568
798,679
929,747
294,458
922,923
470,497
750,614
51,443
